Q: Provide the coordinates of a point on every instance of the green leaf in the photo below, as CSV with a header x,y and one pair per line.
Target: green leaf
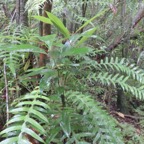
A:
x,y
36,125
76,51
89,21
10,129
53,134
16,118
32,133
43,19
9,140
23,141
58,24
30,96
39,115
48,40
42,104
86,35
23,48
65,124
21,109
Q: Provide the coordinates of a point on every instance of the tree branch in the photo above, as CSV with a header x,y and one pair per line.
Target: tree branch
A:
x,y
124,37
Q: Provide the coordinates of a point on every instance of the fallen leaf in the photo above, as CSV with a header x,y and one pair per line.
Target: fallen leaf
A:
x,y
121,115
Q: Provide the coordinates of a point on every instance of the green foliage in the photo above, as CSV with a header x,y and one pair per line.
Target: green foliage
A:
x,y
103,126
132,134
28,113
74,115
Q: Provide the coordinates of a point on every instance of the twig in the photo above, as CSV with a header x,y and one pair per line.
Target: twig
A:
x,y
6,93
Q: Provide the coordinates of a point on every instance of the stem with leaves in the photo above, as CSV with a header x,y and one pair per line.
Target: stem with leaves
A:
x,y
6,93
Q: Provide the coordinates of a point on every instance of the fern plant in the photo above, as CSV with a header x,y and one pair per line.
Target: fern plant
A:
x,y
74,116
28,112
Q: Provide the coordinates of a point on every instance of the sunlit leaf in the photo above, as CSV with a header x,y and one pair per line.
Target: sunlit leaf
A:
x,y
76,51
58,24
43,19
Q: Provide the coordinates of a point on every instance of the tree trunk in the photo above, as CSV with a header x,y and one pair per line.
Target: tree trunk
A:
x,y
121,99
84,8
21,14
46,31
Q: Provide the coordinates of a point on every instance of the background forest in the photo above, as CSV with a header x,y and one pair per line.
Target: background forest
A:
x,y
71,72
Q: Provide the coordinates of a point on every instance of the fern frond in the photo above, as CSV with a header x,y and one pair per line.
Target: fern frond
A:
x,y
103,125
124,67
27,118
108,79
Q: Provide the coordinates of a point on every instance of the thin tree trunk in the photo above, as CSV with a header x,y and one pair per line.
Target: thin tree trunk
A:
x,y
47,27
84,8
46,31
21,14
40,23
121,98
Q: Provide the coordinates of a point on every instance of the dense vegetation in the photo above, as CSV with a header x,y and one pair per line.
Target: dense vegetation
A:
x,y
71,72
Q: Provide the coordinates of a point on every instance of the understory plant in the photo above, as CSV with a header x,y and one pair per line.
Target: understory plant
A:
x,y
62,108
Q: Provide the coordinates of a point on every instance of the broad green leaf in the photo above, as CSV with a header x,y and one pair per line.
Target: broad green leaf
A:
x,y
33,134
58,24
9,140
43,19
76,51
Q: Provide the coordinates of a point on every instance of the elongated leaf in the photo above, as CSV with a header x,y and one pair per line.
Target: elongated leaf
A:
x,y
29,96
23,48
21,109
10,129
39,115
9,140
89,21
23,141
42,104
16,118
53,134
86,35
33,134
36,125
43,19
65,124
58,24
76,51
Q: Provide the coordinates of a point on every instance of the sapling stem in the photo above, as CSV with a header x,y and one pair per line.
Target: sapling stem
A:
x,y
6,94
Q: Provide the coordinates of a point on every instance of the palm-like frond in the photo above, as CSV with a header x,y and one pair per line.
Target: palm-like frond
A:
x,y
29,114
